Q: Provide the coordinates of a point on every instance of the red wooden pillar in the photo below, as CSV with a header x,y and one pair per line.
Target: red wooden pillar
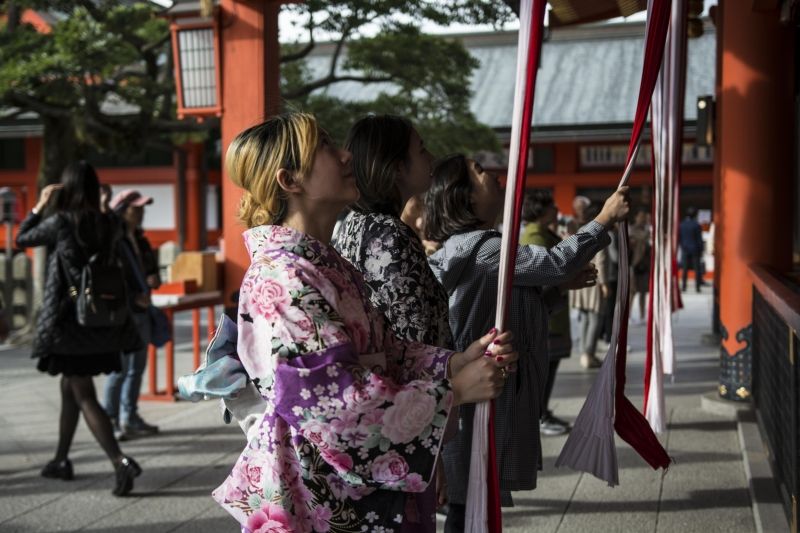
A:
x,y
33,154
566,164
195,222
250,94
755,106
564,193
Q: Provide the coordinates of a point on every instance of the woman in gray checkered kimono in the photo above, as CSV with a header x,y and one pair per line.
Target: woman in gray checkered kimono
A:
x,y
461,208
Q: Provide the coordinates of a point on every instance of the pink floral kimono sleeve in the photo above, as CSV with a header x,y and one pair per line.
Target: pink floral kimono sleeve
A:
x,y
371,430
415,360
374,431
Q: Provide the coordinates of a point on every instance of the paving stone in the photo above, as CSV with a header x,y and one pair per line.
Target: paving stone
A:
x,y
704,491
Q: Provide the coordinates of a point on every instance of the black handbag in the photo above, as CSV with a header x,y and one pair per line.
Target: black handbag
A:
x,y
100,297
160,330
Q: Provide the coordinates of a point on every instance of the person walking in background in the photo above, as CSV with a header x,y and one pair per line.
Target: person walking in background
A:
x,y
641,249
690,239
540,212
123,387
579,206
608,288
587,302
460,212
75,232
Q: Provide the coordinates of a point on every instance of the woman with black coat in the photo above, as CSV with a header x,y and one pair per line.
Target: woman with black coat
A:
x,y
75,231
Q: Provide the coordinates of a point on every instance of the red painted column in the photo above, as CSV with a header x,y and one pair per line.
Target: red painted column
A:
x,y
33,154
195,220
250,93
566,164
564,193
755,107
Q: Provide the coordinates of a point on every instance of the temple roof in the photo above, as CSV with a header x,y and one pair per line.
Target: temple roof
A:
x,y
589,75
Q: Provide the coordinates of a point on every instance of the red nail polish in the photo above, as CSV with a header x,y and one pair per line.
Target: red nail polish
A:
x,y
488,353
498,342
492,331
500,358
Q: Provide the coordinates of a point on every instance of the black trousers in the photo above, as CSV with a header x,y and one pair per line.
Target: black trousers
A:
x,y
607,310
548,389
692,261
456,518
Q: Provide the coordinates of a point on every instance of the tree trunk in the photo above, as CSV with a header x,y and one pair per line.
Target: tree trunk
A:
x,y
59,147
12,16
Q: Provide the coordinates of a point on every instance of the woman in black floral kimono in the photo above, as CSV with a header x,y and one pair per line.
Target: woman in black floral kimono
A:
x,y
391,165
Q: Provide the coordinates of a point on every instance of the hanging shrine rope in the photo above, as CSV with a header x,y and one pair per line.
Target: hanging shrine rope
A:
x,y
483,492
667,128
590,446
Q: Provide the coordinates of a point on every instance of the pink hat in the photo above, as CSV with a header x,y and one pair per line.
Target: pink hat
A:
x,y
129,197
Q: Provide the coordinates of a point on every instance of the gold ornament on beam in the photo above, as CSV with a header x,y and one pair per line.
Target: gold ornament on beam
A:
x,y
742,393
206,8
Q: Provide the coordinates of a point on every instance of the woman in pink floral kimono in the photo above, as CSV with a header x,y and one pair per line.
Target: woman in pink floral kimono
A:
x,y
349,418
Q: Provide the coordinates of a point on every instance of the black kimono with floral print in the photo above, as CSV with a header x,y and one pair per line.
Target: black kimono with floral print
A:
x,y
391,257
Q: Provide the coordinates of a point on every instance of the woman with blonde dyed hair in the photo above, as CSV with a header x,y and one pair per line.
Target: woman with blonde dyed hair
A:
x,y
343,427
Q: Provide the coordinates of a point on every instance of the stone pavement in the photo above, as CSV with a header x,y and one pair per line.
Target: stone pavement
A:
x,y
705,491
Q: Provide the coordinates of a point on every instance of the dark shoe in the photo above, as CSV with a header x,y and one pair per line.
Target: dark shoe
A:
x,y
551,426
590,361
548,417
58,470
136,428
125,472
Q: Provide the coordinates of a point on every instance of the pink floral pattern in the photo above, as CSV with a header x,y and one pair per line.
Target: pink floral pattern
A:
x,y
340,442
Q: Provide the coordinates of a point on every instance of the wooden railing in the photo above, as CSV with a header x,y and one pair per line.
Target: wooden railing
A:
x,y
776,379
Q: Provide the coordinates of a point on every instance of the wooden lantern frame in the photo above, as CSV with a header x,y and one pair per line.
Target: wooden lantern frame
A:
x,y
177,27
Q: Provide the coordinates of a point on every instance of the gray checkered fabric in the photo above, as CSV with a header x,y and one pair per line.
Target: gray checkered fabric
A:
x,y
467,266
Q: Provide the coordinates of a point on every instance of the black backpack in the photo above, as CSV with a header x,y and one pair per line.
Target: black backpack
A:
x,y
100,295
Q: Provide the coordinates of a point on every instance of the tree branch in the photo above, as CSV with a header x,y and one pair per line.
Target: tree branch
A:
x,y
300,54
183,126
330,80
155,44
161,145
99,16
338,50
23,100
288,58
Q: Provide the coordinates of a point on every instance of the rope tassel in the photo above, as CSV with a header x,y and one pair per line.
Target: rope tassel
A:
x,y
483,492
590,446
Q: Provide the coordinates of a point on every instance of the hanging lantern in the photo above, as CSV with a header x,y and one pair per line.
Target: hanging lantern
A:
x,y
195,51
694,28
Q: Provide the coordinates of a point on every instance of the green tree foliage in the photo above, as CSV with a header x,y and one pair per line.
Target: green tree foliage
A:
x,y
424,77
100,78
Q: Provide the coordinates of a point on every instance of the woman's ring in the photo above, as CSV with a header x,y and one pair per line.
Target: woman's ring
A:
x,y
503,373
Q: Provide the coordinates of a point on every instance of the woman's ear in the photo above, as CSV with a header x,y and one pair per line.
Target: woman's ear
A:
x,y
287,181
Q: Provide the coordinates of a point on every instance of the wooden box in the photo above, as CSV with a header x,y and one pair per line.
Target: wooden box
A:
x,y
198,266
